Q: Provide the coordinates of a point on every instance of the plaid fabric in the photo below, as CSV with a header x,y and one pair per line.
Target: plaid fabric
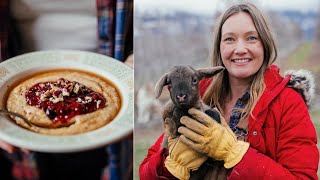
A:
x,y
236,116
113,20
24,165
120,160
119,29
106,16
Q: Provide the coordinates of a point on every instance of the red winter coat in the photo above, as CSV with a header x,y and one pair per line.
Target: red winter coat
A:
x,y
282,138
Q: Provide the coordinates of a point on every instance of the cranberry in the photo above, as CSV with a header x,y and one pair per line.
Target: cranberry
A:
x,y
51,114
62,108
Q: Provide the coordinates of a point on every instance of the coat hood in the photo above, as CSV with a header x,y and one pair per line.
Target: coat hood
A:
x,y
300,80
303,82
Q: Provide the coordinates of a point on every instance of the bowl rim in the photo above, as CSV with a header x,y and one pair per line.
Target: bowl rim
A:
x,y
64,141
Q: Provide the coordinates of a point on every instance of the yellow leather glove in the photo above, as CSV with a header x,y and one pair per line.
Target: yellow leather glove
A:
x,y
182,159
209,137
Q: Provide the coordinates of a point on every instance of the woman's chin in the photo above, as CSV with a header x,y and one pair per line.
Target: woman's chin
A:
x,y
244,75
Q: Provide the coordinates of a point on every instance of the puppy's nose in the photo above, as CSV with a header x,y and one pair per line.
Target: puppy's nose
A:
x,y
181,97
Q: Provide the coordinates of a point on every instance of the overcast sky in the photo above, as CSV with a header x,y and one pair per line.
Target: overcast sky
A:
x,y
206,6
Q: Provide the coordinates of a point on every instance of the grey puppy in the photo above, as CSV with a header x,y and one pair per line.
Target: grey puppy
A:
x,y
183,85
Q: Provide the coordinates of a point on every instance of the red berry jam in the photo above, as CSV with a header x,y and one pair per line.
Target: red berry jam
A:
x,y
63,99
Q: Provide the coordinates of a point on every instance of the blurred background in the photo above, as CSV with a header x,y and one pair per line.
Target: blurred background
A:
x,y
168,33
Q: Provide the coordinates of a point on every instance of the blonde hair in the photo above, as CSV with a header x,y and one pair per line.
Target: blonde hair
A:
x,y
219,88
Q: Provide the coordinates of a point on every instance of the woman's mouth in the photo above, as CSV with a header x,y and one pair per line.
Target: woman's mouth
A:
x,y
241,61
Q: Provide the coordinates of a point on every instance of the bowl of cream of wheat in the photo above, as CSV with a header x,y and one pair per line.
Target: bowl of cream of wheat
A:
x,y
74,100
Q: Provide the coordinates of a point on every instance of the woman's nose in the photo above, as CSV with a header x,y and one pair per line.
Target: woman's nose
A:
x,y
241,47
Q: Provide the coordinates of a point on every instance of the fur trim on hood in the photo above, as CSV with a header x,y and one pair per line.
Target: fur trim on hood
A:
x,y
303,82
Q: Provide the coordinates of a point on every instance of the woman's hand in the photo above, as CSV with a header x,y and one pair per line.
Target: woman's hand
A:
x,y
182,159
129,61
7,147
12,149
216,140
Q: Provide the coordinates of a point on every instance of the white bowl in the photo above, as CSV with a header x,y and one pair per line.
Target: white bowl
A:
x,y
14,69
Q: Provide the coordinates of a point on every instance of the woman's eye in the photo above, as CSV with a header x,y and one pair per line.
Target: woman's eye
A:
x,y
252,38
228,39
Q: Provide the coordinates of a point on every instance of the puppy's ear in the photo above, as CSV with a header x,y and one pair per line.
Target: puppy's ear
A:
x,y
209,72
160,84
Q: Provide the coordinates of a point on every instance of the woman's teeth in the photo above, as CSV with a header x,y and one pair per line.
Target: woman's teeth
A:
x,y
240,60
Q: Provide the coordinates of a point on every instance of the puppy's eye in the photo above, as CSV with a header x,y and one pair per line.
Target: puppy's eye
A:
x,y
195,81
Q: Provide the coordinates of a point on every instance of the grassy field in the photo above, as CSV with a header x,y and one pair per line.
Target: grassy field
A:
x,y
144,139
306,57
315,116
298,59
141,149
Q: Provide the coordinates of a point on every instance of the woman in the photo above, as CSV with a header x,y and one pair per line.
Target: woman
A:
x,y
270,131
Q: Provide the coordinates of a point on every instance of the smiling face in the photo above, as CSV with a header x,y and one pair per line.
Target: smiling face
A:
x,y
241,47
